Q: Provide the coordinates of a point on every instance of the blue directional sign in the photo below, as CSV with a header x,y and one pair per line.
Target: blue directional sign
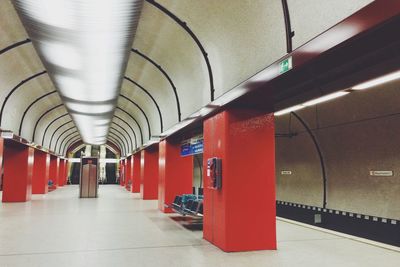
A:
x,y
192,147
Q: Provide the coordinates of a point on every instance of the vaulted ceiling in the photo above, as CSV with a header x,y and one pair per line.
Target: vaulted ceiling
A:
x,y
184,55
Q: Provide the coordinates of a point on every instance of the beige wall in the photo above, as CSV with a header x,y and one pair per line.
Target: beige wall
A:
x,y
357,133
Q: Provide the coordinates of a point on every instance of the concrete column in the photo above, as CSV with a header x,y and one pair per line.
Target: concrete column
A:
x,y
149,173
18,169
41,168
241,215
175,174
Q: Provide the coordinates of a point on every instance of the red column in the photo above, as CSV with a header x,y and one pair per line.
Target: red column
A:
x,y
65,171
18,168
136,173
128,174
241,215
54,170
175,174
149,173
1,160
60,178
122,173
41,169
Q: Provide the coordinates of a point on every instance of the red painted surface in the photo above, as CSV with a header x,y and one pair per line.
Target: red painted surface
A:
x,y
241,215
128,173
149,173
66,169
136,173
41,168
61,167
54,171
18,170
175,174
1,159
122,173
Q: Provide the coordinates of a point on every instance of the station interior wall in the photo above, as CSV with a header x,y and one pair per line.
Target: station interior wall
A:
x,y
357,133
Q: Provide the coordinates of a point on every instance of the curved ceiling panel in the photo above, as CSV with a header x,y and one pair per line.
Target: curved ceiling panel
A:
x,y
11,29
128,129
322,16
163,40
140,117
240,37
21,99
17,65
145,102
152,78
133,123
43,119
53,128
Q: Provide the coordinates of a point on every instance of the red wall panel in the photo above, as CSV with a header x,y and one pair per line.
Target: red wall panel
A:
x,y
175,174
241,216
136,173
54,170
149,173
18,169
41,168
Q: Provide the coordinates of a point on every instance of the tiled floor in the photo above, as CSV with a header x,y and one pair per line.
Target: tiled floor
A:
x,y
119,229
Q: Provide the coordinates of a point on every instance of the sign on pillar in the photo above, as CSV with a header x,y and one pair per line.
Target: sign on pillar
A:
x,y
239,171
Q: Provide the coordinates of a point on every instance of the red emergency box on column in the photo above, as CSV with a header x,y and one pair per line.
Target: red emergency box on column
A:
x,y
149,173
175,174
136,173
41,168
239,171
54,171
18,162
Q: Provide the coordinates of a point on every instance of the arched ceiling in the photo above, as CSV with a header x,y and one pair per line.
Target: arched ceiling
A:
x,y
185,54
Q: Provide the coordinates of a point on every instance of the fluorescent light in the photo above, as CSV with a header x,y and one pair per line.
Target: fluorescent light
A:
x,y
374,82
325,98
84,45
288,110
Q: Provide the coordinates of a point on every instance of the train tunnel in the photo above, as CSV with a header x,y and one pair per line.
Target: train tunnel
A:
x,y
169,133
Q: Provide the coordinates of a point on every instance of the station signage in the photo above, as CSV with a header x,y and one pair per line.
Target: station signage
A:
x,y
192,146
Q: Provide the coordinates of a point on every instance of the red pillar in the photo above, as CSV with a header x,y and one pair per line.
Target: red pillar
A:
x,y
122,173
54,170
41,169
175,174
18,168
66,166
149,173
60,178
128,173
136,173
241,215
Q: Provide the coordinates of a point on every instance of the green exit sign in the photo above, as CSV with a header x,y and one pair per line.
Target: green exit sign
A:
x,y
285,65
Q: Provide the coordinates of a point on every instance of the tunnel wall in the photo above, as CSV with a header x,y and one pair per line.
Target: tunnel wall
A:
x,y
357,133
